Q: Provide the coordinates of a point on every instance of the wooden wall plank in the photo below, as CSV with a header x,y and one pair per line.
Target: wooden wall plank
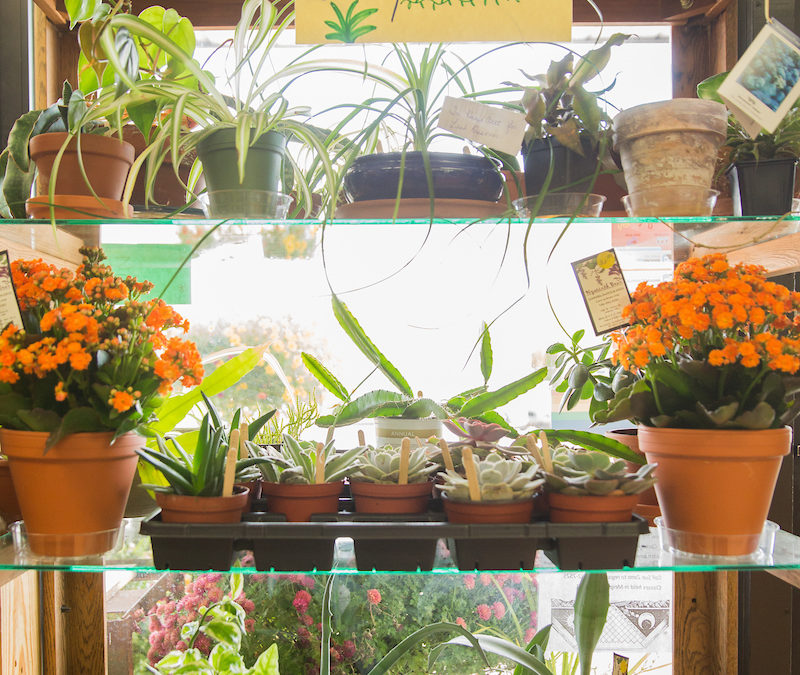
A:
x,y
52,619
48,8
705,628
19,625
84,623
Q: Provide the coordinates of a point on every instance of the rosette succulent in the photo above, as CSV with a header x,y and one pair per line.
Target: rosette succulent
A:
x,y
499,479
382,465
583,473
296,462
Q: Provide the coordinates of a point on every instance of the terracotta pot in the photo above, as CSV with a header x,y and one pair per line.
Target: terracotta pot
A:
x,y
391,498
299,502
9,506
519,511
670,142
253,492
191,509
106,161
715,486
591,509
630,438
72,498
76,207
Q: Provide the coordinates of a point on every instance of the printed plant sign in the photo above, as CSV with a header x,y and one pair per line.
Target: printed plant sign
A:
x,y
9,304
603,289
350,21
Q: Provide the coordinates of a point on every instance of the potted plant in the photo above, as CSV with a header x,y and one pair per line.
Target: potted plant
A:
x,y
568,140
240,139
392,480
305,478
85,373
495,490
82,168
761,169
717,356
401,406
587,487
410,180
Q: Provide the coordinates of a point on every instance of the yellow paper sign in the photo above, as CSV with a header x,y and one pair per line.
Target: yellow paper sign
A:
x,y
319,21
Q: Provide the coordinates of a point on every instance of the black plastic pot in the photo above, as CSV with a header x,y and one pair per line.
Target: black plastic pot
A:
x,y
498,547
762,188
594,546
571,172
182,546
455,176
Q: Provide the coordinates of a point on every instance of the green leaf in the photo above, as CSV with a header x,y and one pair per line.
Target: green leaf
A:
x,y
709,88
494,399
80,10
76,420
362,407
760,417
267,663
19,137
591,63
591,610
224,659
39,419
556,348
424,407
325,377
487,358
592,441
224,632
505,649
354,331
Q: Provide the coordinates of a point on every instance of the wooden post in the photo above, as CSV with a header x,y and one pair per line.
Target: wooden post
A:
x,y
705,628
19,623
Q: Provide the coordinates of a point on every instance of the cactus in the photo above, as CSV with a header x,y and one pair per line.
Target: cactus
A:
x,y
382,465
588,472
295,463
498,479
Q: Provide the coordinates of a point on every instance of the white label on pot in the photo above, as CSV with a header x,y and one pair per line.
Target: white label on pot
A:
x,y
496,128
9,305
765,83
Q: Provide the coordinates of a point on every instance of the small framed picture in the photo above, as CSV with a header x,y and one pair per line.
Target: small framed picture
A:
x,y
765,82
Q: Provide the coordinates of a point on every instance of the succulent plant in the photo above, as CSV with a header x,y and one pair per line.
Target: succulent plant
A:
x,y
382,465
499,479
586,472
296,462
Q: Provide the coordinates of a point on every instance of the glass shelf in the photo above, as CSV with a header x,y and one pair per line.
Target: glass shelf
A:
x,y
134,555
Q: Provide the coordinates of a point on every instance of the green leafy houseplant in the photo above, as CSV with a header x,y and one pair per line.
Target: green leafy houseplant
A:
x,y
296,462
476,403
224,623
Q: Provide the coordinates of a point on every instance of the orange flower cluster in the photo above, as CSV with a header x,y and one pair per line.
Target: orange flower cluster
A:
x,y
716,312
95,338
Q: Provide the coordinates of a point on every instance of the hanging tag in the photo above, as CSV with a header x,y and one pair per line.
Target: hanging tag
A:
x,y
604,290
620,665
496,128
9,303
765,83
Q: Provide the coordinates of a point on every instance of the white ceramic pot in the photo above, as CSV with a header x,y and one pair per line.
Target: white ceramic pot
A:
x,y
392,430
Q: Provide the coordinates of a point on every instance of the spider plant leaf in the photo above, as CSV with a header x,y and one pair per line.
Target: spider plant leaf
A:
x,y
354,331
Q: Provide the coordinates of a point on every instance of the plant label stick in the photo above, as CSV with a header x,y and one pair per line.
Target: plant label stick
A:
x,y
405,452
319,467
230,464
446,456
546,457
244,435
534,450
472,475
361,439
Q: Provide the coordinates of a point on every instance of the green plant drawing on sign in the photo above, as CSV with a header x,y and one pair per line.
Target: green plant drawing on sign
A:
x,y
348,30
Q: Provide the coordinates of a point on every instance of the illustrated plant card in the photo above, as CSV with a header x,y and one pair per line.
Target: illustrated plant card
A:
x,y
9,305
604,291
764,84
348,21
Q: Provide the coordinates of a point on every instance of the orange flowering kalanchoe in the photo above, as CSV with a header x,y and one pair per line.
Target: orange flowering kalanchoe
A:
x,y
716,312
93,345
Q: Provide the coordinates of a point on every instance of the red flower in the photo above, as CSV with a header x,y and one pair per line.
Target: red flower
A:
x,y
374,596
460,621
499,610
469,581
249,625
301,601
348,649
484,612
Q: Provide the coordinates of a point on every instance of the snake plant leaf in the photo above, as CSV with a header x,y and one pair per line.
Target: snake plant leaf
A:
x,y
354,331
500,647
487,358
19,137
15,188
494,399
363,406
325,377
591,611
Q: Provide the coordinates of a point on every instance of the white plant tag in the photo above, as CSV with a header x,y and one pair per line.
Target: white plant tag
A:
x,y
765,83
496,128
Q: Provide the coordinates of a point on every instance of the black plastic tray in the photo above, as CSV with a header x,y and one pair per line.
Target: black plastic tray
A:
x,y
392,543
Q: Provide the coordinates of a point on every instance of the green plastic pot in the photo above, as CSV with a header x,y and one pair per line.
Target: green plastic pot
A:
x,y
263,170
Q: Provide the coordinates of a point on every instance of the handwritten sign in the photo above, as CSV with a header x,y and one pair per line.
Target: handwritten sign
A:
x,y
9,305
603,289
349,21
497,128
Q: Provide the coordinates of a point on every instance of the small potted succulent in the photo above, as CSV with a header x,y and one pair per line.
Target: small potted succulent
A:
x,y
587,487
495,490
392,480
200,486
304,478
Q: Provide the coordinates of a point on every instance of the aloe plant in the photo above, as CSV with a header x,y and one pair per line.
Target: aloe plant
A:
x,y
476,403
296,462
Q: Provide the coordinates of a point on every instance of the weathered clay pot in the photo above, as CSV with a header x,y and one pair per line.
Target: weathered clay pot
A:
x,y
670,142
391,498
191,509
